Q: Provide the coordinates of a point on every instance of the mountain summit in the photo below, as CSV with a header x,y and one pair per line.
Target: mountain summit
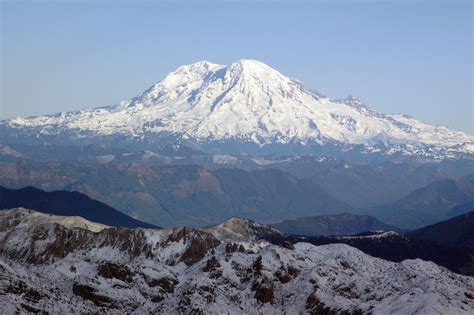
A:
x,y
246,103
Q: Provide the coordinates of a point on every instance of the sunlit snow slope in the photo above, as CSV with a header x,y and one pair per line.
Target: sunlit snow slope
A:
x,y
249,102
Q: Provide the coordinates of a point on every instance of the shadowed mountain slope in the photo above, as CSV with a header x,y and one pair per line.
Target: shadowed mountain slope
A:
x,y
326,225
65,203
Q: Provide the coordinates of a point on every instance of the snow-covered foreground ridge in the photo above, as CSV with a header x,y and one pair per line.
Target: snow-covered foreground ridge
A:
x,y
249,102
223,269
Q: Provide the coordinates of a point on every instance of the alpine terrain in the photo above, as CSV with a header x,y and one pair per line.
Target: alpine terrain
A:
x,y
52,264
145,168
245,106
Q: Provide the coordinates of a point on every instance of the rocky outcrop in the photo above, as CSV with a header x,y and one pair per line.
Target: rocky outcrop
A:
x,y
48,267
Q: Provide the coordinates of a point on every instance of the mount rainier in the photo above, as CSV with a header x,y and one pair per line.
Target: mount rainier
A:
x,y
245,106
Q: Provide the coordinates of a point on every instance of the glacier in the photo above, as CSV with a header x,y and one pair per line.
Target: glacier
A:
x,y
217,107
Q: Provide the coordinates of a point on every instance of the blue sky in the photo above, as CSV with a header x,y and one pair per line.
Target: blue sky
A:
x,y
412,57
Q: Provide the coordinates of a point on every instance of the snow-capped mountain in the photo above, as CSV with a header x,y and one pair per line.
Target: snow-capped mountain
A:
x,y
75,266
247,102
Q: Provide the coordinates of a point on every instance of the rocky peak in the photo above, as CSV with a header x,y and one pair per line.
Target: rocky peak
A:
x,y
24,218
53,268
237,228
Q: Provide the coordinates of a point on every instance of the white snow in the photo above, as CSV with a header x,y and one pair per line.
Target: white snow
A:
x,y
249,101
7,150
105,158
32,218
338,276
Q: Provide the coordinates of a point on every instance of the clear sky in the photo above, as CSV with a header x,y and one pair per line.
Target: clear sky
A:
x,y
412,57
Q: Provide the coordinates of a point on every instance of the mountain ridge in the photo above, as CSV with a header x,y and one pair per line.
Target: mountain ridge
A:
x,y
65,203
55,268
433,203
331,225
457,231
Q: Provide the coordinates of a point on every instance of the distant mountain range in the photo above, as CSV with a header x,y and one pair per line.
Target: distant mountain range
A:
x,y
462,208
327,225
66,203
182,194
361,185
195,196
244,107
438,201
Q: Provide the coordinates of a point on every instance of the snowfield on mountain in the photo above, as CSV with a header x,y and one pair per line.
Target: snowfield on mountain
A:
x,y
63,267
247,102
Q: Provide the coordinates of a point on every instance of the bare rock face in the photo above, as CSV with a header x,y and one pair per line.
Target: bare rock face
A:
x,y
315,307
89,293
47,267
167,284
286,274
50,242
263,291
200,244
114,271
233,247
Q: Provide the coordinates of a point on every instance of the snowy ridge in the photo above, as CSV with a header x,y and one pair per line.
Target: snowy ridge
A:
x,y
249,102
191,270
239,229
32,218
